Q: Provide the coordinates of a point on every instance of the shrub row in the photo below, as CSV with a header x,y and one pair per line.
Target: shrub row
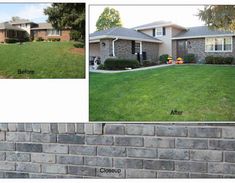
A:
x,y
11,40
116,64
218,60
49,39
147,63
189,58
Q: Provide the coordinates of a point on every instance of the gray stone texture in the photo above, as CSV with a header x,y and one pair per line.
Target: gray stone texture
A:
x,y
72,150
198,48
123,49
171,131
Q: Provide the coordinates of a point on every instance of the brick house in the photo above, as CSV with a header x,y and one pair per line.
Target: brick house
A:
x,y
123,43
45,31
21,29
7,31
163,38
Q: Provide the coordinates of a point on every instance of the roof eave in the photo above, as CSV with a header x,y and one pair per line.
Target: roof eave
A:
x,y
122,37
202,36
161,25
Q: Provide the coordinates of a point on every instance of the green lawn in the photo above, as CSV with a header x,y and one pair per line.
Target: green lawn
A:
x,y
46,59
202,92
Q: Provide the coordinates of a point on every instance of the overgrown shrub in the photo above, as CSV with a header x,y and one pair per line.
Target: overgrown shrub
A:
x,y
78,45
147,63
53,39
101,67
189,58
116,64
163,58
219,60
39,39
228,60
11,40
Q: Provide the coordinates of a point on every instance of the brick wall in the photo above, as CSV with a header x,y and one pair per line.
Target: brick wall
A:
x,y
198,48
2,36
123,49
128,150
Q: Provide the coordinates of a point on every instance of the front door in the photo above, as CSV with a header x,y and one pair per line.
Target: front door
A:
x,y
181,48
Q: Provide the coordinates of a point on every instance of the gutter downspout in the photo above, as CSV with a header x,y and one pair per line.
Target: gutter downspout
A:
x,y
113,46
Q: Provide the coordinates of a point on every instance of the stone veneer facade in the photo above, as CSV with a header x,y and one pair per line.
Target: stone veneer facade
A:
x,y
198,48
69,150
123,49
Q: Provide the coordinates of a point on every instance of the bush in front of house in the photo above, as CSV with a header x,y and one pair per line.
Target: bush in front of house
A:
x,y
219,60
189,58
39,39
229,60
120,64
147,63
53,39
79,45
101,67
163,58
11,40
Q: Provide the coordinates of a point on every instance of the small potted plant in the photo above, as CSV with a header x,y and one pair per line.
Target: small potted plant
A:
x,y
179,60
169,60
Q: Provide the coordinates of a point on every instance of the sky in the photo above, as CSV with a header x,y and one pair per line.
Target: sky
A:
x,y
33,11
132,16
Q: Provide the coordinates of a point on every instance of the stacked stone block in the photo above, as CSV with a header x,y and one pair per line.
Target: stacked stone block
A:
x,y
51,150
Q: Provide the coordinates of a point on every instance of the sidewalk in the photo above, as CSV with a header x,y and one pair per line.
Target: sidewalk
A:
x,y
139,69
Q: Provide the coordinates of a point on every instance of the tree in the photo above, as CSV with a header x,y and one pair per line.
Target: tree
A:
x,y
220,17
68,15
109,18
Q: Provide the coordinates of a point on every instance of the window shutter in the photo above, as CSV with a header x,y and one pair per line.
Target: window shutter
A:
x,y
163,31
133,47
154,32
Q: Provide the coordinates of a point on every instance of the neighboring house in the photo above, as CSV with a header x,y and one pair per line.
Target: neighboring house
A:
x,y
7,31
168,38
22,28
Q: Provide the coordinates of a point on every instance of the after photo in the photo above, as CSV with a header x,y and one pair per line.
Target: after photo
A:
x,y
162,63
42,40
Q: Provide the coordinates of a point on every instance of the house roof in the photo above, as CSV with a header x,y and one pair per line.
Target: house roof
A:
x,y
21,21
43,26
122,33
202,31
160,23
7,26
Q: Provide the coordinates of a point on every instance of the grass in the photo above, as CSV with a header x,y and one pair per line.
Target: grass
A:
x,y
202,92
46,59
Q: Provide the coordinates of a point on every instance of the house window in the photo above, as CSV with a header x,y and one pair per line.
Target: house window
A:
x,y
159,31
222,44
137,47
53,32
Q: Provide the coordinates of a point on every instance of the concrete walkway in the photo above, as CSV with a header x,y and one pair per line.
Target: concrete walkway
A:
x,y
132,70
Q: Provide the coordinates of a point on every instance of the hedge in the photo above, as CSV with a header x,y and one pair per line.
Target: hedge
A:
x,y
53,39
116,64
163,58
11,40
219,60
189,58
147,63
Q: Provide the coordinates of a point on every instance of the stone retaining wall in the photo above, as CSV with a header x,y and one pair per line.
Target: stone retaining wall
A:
x,y
117,150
